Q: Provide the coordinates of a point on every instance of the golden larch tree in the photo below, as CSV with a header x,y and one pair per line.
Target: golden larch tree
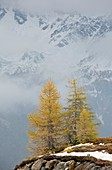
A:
x,y
46,121
87,128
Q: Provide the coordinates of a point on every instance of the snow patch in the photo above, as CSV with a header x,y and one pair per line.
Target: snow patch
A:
x,y
96,154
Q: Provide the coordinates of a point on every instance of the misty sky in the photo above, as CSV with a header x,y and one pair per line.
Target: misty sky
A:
x,y
90,7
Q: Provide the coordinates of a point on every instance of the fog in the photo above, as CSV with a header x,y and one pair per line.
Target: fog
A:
x,y
88,7
12,95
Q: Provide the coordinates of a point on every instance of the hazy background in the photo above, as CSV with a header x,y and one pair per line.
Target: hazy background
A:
x,y
88,7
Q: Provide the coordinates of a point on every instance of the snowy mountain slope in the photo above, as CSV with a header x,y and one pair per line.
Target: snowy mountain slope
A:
x,y
79,34
58,29
2,13
29,63
97,65
60,46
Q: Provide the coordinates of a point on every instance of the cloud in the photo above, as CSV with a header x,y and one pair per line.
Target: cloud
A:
x,y
91,7
13,95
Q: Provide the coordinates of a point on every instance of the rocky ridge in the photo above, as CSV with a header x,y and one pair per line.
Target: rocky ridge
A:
x,y
51,162
72,162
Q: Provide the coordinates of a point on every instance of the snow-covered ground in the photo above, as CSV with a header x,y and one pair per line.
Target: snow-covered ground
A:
x,y
97,154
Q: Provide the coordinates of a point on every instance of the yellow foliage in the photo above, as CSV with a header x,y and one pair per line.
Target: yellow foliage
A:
x,y
86,128
45,123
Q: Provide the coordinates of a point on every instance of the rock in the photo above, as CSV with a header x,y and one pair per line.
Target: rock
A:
x,y
107,168
96,168
43,168
38,164
60,166
85,166
24,168
51,164
69,165
78,167
89,166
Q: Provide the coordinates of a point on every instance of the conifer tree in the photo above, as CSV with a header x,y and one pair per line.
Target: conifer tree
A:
x,y
87,128
45,122
75,103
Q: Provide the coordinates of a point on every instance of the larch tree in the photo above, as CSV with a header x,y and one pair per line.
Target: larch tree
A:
x,y
87,128
45,123
75,103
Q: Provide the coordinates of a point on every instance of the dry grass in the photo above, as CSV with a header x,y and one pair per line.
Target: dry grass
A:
x,y
103,140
